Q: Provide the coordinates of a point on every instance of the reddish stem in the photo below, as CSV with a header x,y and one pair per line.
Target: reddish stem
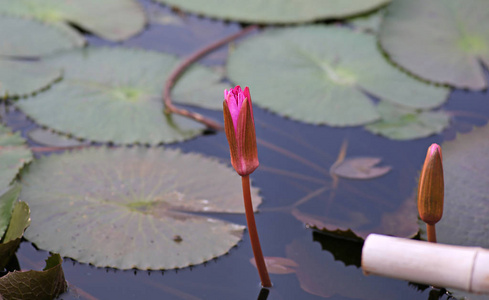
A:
x,y
430,229
169,107
255,241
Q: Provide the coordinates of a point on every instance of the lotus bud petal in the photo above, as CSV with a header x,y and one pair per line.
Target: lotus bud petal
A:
x,y
431,187
240,130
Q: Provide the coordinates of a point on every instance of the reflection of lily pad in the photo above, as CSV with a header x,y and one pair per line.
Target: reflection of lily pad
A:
x,y
281,11
323,75
22,78
360,168
46,284
116,95
111,19
13,155
440,40
29,38
133,208
466,211
401,123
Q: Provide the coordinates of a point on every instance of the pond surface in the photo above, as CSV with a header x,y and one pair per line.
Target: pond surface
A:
x,y
295,160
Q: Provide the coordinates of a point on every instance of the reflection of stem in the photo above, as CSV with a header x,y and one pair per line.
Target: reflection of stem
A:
x,y
169,107
255,242
430,229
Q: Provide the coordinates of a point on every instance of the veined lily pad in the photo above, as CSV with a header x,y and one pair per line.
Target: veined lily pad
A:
x,y
114,20
444,41
402,123
278,11
324,75
115,95
466,213
13,155
133,208
22,78
23,37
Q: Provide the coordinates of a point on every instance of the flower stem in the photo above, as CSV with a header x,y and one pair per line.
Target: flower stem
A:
x,y
431,233
255,241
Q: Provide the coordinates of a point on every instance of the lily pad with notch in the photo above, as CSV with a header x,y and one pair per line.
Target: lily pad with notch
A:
x,y
133,207
324,75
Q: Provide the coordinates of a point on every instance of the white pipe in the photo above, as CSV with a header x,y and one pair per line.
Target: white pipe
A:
x,y
465,268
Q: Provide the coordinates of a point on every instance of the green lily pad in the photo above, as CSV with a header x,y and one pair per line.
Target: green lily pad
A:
x,y
369,23
23,78
402,123
7,202
113,20
49,138
451,51
115,95
324,75
19,221
46,284
133,207
13,155
281,11
466,213
30,38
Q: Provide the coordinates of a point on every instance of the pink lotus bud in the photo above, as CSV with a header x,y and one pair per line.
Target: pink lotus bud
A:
x,y
431,187
240,130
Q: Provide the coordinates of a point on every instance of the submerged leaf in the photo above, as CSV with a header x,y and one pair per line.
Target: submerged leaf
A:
x,y
324,75
133,208
13,155
23,78
402,123
444,41
466,213
281,11
114,20
360,168
23,37
278,265
46,284
115,95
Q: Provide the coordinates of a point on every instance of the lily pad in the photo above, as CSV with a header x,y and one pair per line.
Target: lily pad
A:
x,y
23,37
133,208
13,155
360,168
46,284
369,23
281,11
402,123
23,78
7,202
451,51
114,20
324,75
19,221
115,95
49,138
466,213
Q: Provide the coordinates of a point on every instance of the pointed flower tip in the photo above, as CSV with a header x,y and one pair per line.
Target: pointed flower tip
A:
x,y
431,187
240,130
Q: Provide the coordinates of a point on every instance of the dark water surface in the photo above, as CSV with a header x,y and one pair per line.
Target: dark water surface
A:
x,y
295,160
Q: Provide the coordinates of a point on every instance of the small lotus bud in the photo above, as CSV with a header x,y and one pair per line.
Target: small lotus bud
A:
x,y
431,187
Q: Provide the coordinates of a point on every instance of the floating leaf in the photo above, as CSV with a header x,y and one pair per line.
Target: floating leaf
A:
x,y
46,284
133,208
19,221
7,201
360,168
13,155
369,23
466,213
115,95
443,41
29,38
22,78
282,11
402,123
278,265
324,75
113,20
49,138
